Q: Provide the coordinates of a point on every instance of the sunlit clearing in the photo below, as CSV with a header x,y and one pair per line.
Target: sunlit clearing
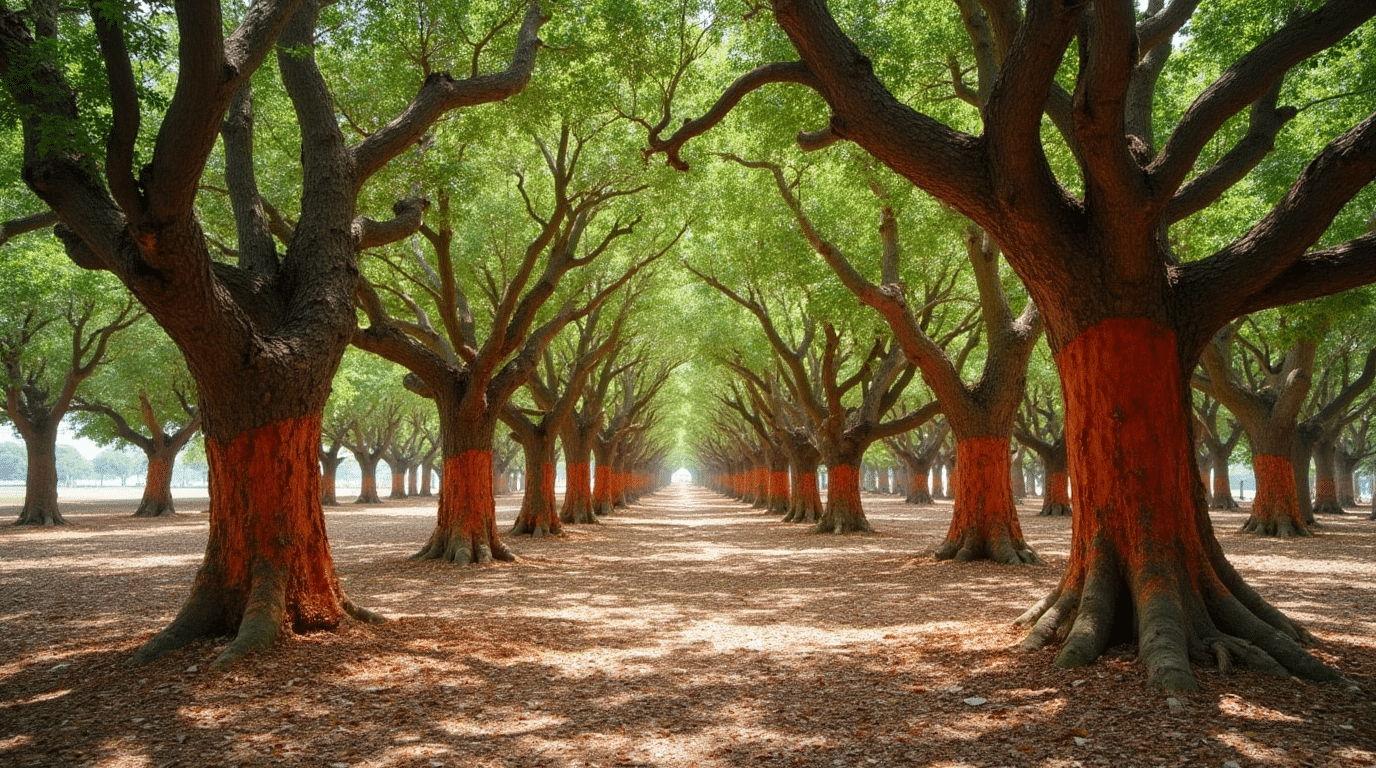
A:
x,y
683,475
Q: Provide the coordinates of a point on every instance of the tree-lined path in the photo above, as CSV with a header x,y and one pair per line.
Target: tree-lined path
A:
x,y
685,630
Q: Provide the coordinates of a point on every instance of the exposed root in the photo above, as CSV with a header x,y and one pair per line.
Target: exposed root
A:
x,y
537,530
1281,527
583,516
1174,626
155,509
47,517
1224,503
459,549
803,513
264,617
1055,509
976,545
920,498
1329,508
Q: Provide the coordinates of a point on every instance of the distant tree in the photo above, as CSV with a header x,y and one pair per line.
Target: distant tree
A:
x,y
12,461
116,464
71,466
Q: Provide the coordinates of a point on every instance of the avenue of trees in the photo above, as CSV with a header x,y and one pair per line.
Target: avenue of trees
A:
x,y
977,250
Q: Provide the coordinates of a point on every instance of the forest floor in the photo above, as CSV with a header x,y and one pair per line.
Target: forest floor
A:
x,y
687,630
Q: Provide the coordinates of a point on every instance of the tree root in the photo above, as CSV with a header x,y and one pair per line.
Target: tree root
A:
x,y
1329,508
583,516
1227,503
1174,626
1281,527
537,530
920,498
803,514
41,517
1055,510
459,549
975,545
842,524
158,509
264,621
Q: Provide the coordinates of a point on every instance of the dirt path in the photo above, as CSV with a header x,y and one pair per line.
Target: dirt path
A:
x,y
685,631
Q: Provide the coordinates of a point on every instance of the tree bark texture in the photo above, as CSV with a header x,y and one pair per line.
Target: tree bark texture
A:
x,y
267,564
843,513
577,508
537,516
157,487
1276,507
40,481
1144,560
984,523
466,525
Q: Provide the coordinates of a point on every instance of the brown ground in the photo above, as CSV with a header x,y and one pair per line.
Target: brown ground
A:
x,y
687,631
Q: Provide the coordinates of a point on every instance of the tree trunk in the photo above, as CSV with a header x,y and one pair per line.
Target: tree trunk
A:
x,y
1056,498
919,489
804,498
267,562
157,486
843,513
466,528
577,507
398,471
427,471
984,523
1018,476
329,471
1275,507
778,485
537,516
1326,479
938,484
602,489
412,476
40,481
1144,561
367,492
1222,497
1056,495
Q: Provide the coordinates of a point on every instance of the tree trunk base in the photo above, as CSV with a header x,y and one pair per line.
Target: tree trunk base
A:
x,y
580,516
978,545
804,514
1055,509
1280,527
537,529
1329,508
155,509
461,549
1224,504
1175,624
267,568
368,499
921,498
41,517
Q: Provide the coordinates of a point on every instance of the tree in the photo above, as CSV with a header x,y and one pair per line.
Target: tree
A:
x,y
56,334
1126,319
146,385
116,464
471,378
263,336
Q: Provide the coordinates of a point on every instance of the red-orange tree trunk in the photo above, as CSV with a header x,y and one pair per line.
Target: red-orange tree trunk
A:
x,y
578,494
157,487
367,490
1056,497
1276,507
267,562
984,523
537,516
602,500
778,490
1144,561
466,522
844,512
